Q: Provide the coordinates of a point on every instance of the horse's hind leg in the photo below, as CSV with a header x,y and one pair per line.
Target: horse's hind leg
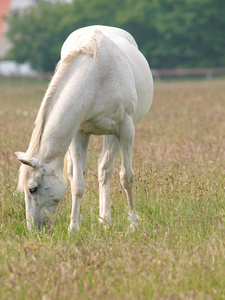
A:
x,y
76,166
105,170
126,174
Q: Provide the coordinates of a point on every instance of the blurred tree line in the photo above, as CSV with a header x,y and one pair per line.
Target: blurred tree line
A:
x,y
171,33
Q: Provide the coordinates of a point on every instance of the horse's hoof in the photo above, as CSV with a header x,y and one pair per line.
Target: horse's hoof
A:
x,y
73,228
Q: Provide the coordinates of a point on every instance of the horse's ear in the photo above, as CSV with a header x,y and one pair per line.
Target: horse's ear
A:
x,y
32,162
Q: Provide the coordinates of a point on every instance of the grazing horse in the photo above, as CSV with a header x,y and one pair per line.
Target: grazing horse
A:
x,y
103,86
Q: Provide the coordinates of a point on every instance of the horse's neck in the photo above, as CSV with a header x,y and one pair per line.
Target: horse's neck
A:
x,y
66,111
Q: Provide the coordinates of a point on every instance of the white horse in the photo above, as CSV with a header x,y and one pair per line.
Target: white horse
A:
x,y
103,86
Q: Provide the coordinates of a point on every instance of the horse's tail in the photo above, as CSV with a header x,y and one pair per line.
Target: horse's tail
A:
x,y
65,177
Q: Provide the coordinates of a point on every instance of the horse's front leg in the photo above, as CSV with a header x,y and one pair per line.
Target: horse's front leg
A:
x,y
105,170
126,174
76,166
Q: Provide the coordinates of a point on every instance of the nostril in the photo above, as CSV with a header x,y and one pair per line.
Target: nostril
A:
x,y
45,223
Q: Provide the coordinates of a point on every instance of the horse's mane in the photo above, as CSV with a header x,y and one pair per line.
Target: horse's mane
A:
x,y
87,46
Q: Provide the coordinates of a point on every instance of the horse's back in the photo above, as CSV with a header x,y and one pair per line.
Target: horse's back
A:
x,y
81,34
119,51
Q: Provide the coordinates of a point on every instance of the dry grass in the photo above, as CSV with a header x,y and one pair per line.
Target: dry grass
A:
x,y
178,252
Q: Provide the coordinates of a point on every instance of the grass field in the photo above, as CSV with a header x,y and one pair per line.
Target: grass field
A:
x,y
178,251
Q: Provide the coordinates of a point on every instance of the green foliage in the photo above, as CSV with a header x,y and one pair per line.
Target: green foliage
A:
x,y
173,33
37,35
190,33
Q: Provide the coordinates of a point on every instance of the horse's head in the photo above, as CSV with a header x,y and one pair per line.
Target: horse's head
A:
x,y
43,188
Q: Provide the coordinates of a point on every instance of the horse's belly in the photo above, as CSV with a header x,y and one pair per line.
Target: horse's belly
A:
x,y
104,126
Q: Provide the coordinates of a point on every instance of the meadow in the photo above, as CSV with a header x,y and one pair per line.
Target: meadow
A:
x,y
178,251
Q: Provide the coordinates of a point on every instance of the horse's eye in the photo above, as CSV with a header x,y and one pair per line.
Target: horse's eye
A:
x,y
32,190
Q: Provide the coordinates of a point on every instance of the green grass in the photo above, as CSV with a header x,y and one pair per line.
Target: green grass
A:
x,y
178,251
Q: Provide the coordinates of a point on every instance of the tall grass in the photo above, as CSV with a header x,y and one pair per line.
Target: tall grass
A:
x,y
178,251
